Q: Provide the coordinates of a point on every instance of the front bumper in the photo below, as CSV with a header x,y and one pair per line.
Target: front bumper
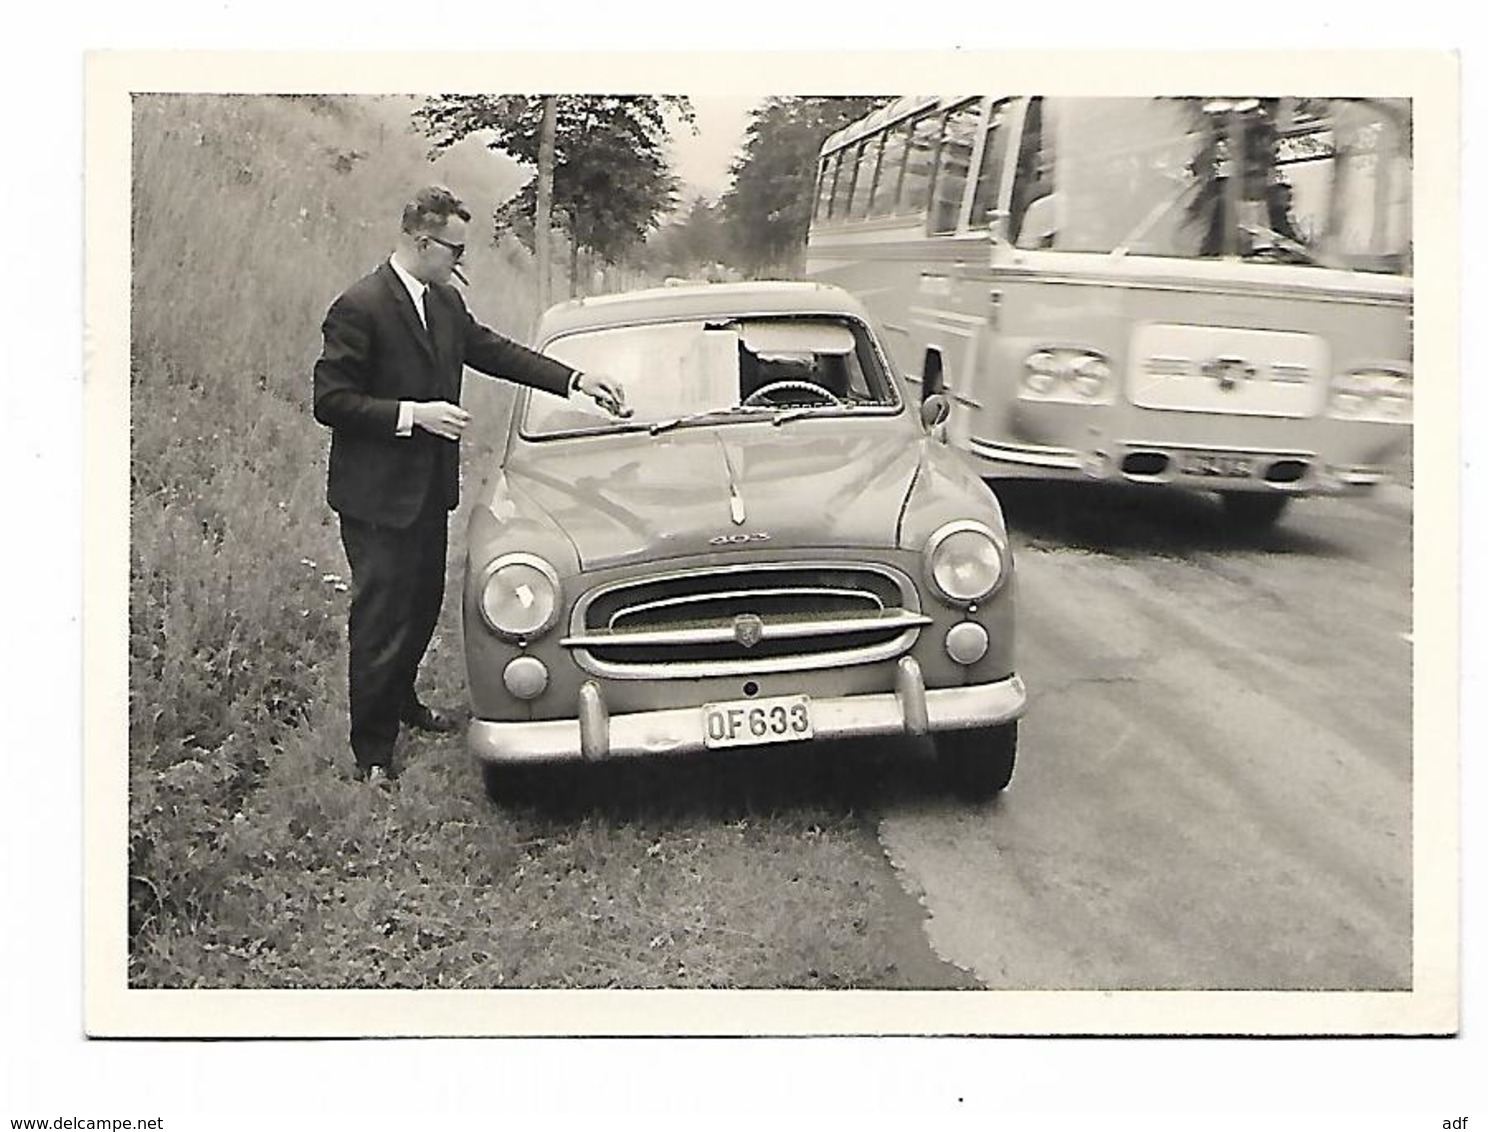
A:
x,y
1307,474
594,734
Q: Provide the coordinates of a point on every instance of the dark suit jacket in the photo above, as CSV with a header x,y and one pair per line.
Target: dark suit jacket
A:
x,y
376,354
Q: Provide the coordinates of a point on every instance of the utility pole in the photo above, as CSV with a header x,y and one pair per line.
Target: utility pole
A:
x,y
543,237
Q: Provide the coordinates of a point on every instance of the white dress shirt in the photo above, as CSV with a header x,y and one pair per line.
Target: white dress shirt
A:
x,y
417,290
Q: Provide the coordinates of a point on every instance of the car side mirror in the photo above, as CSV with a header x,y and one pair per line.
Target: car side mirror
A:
x,y
935,409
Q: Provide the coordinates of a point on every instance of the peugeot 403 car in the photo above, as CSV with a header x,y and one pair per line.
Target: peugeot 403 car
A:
x,y
777,547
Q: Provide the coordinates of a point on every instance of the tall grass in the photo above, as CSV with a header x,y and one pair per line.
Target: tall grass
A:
x,y
249,215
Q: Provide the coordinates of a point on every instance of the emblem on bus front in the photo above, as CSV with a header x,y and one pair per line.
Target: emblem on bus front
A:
x,y
749,630
1228,371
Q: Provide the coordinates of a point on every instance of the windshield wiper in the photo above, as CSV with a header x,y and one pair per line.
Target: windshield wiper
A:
x,y
690,418
796,412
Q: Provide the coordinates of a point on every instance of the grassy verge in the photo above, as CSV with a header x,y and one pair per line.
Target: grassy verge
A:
x,y
254,860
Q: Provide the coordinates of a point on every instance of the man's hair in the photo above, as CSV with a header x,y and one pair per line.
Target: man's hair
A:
x,y
430,209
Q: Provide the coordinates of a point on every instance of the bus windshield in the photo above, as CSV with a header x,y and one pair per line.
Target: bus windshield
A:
x,y
1322,182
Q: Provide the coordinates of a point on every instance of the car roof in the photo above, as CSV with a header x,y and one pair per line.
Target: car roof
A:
x,y
699,300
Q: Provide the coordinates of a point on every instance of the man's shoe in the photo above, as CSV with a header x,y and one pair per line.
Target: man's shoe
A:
x,y
376,775
424,718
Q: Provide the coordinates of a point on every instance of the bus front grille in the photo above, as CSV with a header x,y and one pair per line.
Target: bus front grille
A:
x,y
1231,371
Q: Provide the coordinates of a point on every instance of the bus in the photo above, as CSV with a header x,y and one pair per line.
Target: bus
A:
x,y
1203,293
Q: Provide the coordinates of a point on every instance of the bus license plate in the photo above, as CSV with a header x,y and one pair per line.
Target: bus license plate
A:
x,y
1219,465
746,723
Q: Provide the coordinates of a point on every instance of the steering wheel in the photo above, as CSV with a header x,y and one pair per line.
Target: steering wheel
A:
x,y
826,396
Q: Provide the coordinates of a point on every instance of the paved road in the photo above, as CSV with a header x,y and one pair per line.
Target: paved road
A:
x,y
1213,788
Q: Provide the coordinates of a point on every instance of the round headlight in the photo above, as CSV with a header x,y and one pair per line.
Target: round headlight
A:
x,y
1041,371
1057,371
965,562
1089,375
1373,392
519,597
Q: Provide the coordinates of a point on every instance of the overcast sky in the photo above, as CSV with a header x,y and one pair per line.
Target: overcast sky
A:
x,y
702,160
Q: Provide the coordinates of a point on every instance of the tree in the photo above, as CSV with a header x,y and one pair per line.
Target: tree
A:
x,y
769,207
546,147
611,180
692,244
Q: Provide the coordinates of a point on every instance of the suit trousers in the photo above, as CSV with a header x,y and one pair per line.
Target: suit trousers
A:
x,y
397,590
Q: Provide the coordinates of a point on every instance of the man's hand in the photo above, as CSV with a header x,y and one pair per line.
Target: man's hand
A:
x,y
607,393
441,418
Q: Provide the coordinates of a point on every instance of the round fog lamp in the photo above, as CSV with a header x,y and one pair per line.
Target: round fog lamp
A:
x,y
526,677
966,643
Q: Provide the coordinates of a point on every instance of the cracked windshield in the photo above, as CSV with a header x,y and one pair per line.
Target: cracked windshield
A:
x,y
678,372
1289,180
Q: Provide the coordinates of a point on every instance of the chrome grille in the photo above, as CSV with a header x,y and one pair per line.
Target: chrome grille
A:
x,y
806,615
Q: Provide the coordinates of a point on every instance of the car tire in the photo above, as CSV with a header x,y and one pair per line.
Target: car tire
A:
x,y
978,763
1252,514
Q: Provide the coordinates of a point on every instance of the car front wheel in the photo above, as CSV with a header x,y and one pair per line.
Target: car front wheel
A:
x,y
978,763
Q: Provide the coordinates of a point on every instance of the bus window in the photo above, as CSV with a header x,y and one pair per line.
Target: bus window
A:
x,y
890,170
952,169
824,189
1033,189
1300,181
842,191
863,186
1367,215
989,175
914,195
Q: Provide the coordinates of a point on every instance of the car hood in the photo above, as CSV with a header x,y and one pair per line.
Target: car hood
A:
x,y
694,490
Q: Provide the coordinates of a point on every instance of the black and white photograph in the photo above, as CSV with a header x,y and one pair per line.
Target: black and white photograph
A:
x,y
580,549
768,542
841,566
790,541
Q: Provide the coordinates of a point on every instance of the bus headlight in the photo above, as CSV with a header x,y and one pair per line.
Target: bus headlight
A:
x,y
1372,393
519,596
1065,372
1041,372
964,562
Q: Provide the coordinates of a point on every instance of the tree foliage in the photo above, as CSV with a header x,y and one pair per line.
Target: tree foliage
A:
x,y
693,245
611,179
769,207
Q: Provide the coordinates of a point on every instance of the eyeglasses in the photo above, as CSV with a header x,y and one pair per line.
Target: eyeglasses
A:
x,y
457,250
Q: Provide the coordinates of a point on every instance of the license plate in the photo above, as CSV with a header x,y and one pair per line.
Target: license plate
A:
x,y
1220,465
747,723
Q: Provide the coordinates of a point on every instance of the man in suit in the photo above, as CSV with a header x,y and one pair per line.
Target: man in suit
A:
x,y
387,384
